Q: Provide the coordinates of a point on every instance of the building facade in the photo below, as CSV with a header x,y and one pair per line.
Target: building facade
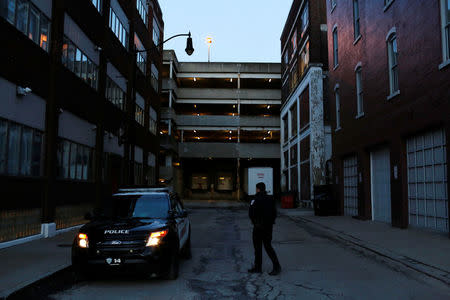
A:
x,y
217,119
389,88
78,115
305,129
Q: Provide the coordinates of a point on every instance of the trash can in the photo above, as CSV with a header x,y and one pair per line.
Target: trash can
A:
x,y
288,200
324,202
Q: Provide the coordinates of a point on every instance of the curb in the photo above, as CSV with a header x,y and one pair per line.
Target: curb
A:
x,y
45,286
432,272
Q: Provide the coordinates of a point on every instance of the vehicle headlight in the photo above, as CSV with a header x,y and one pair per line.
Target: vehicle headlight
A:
x,y
155,238
83,241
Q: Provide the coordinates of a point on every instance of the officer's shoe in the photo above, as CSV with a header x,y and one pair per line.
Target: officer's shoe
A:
x,y
255,270
276,270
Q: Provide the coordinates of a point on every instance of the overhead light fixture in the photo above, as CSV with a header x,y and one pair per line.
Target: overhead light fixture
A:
x,y
233,114
268,132
198,115
198,138
268,106
189,45
231,79
264,138
230,131
195,105
234,105
195,131
195,79
161,132
270,79
229,138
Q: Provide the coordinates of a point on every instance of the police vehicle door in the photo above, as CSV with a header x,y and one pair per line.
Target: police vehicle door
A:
x,y
181,223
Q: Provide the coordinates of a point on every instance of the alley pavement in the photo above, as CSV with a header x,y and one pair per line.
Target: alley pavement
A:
x,y
322,258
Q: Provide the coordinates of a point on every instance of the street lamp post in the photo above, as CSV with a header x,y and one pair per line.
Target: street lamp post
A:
x,y
189,50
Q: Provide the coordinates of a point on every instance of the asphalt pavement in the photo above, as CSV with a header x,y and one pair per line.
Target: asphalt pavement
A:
x,y
322,258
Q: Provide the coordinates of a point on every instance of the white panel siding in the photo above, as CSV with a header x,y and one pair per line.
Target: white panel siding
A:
x,y
28,110
138,156
427,181
76,129
111,144
45,6
116,76
74,33
140,101
351,186
120,14
381,185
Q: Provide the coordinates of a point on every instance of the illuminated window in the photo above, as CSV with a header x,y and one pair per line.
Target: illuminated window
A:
x,y
305,18
139,115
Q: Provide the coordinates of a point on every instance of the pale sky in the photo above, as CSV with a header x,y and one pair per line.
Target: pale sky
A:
x,y
242,30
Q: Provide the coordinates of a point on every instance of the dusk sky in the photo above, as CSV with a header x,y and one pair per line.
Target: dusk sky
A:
x,y
242,30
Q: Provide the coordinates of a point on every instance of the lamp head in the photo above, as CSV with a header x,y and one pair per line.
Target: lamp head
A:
x,y
189,47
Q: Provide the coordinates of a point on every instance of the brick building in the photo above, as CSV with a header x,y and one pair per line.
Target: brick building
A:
x,y
305,130
389,86
78,112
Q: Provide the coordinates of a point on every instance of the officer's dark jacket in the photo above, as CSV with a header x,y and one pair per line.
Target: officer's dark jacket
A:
x,y
262,210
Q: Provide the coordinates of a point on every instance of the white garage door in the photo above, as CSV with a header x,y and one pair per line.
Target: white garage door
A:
x,y
381,185
427,181
351,186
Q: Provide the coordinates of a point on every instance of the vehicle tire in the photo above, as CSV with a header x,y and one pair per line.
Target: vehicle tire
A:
x,y
187,252
82,272
174,266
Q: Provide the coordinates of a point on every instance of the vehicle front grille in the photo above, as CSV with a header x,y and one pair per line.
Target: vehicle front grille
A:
x,y
121,244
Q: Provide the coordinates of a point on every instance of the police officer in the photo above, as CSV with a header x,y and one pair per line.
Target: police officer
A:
x,y
262,213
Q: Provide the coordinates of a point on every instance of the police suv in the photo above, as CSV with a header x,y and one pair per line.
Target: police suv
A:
x,y
148,228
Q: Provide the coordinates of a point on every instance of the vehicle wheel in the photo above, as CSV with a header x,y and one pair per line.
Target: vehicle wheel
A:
x,y
82,272
187,252
174,265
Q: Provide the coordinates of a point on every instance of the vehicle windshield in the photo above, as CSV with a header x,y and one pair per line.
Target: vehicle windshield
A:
x,y
154,206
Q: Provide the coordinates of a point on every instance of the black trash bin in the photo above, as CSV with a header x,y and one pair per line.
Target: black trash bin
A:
x,y
324,202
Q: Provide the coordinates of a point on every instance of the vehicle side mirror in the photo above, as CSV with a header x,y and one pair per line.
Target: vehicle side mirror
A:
x,y
88,216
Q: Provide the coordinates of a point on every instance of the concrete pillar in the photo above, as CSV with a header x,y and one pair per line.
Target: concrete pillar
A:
x,y
316,110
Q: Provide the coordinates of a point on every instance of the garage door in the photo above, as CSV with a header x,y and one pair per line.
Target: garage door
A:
x,y
380,185
427,181
351,186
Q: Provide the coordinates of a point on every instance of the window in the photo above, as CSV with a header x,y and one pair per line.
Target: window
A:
x,y
304,59
156,32
140,6
359,92
338,108
304,18
285,129
294,43
141,57
74,161
155,78
28,19
333,4
22,15
294,120
115,94
139,115
97,4
117,28
33,28
393,63
445,19
20,149
77,62
356,29
335,48
152,121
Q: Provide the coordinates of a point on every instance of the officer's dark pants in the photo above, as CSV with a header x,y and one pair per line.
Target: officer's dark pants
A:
x,y
263,235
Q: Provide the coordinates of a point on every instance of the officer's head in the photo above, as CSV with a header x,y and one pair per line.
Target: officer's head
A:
x,y
260,187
